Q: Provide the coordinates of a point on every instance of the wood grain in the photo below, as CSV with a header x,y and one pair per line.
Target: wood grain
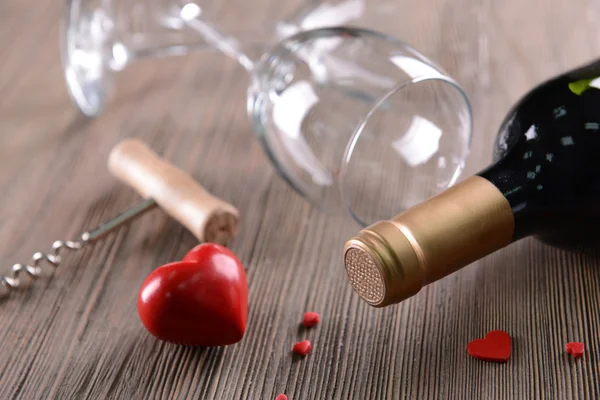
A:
x,y
77,335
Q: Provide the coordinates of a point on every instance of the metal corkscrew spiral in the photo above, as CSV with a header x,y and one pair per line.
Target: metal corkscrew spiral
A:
x,y
209,218
33,270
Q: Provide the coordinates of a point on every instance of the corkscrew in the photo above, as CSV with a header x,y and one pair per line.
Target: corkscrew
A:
x,y
162,185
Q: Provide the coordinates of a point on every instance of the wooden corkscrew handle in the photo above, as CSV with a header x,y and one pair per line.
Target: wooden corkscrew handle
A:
x,y
209,218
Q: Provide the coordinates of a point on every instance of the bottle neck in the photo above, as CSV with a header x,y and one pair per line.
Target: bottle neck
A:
x,y
517,188
429,241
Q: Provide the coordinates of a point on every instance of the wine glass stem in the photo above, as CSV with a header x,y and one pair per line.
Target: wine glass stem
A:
x,y
313,14
170,50
228,45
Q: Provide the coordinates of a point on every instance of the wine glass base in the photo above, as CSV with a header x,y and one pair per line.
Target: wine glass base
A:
x,y
88,94
87,42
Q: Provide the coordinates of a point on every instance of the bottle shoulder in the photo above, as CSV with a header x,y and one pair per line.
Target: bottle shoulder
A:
x,y
559,116
547,156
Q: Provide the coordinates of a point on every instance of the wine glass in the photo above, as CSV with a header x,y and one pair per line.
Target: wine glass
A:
x,y
357,122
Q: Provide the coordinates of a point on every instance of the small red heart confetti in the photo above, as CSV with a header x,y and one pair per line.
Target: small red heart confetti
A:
x,y
200,301
310,319
575,349
495,347
281,397
302,348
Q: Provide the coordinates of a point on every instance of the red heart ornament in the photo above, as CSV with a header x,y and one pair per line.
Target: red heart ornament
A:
x,y
200,301
575,349
495,347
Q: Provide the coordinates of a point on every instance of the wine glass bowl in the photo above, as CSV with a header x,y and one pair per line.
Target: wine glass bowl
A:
x,y
358,122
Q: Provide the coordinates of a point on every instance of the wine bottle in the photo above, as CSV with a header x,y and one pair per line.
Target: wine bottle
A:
x,y
544,182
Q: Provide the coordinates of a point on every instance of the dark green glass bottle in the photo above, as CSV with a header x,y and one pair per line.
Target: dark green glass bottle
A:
x,y
547,160
544,182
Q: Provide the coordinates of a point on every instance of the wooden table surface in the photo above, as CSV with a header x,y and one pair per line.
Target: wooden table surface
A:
x,y
77,335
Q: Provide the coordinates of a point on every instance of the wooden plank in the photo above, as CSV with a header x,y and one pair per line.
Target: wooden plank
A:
x,y
77,335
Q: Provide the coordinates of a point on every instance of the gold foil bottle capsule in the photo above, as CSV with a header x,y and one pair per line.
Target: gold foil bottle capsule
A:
x,y
392,260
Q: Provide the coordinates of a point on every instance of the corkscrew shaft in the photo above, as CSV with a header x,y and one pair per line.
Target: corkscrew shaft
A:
x,y
126,216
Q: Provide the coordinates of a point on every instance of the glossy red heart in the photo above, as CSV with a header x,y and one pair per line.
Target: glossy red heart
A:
x,y
200,301
496,347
